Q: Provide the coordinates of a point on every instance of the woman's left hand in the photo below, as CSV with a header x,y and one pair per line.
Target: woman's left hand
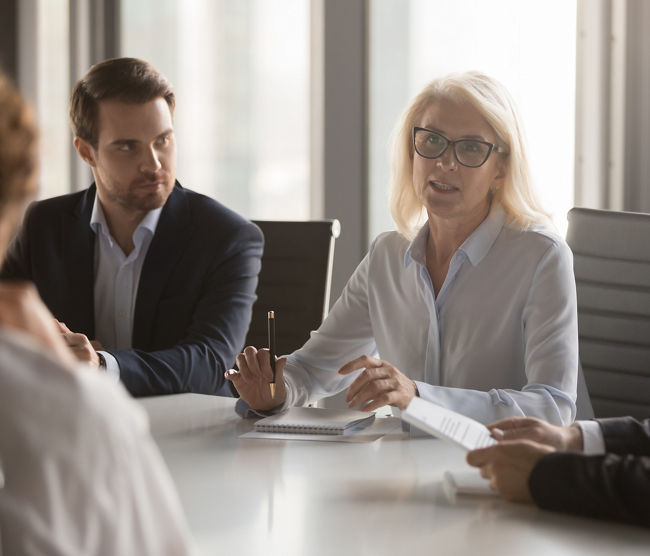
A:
x,y
378,385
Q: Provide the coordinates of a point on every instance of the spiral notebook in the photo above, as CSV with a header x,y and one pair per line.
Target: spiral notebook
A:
x,y
314,420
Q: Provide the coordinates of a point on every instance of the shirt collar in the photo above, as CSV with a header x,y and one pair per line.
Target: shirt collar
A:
x,y
98,220
475,247
417,251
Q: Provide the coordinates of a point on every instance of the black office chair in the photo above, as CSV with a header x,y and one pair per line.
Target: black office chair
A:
x,y
611,254
295,281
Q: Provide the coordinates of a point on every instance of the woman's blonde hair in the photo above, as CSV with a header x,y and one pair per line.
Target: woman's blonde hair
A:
x,y
494,103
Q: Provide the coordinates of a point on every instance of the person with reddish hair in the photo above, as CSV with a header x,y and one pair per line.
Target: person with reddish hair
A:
x,y
81,472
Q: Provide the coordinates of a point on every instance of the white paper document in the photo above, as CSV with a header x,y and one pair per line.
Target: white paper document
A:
x,y
447,424
466,482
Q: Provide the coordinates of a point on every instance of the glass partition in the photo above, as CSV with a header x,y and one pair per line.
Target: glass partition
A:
x,y
241,74
529,46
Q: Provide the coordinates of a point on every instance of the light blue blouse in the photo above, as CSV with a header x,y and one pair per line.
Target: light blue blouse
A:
x,y
500,339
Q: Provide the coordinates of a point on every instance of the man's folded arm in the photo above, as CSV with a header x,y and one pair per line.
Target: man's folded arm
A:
x,y
626,435
196,363
611,486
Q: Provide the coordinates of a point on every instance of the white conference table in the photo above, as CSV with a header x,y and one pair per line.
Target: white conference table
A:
x,y
268,497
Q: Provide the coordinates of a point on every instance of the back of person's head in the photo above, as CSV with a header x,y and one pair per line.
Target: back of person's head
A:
x,y
497,107
18,156
126,80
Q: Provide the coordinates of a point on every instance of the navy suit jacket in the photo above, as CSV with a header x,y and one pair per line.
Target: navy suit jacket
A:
x,y
195,295
612,486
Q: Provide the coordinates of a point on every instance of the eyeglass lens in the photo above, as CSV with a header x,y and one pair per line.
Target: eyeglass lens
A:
x,y
468,151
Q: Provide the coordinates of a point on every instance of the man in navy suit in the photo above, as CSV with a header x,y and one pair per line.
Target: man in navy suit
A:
x,y
598,468
149,281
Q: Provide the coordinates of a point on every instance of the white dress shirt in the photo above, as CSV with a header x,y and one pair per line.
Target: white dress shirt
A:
x,y
82,475
593,441
500,338
116,282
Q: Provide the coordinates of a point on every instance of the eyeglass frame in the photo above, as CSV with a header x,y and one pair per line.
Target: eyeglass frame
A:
x,y
492,147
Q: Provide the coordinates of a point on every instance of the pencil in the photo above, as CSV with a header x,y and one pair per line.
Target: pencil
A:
x,y
271,331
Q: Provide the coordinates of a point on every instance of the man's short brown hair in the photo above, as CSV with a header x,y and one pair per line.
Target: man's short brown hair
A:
x,y
127,80
18,146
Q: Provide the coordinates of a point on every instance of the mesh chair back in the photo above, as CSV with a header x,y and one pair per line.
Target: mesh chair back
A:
x,y
295,281
612,267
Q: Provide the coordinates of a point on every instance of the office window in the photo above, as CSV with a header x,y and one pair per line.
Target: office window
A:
x,y
529,47
241,74
43,77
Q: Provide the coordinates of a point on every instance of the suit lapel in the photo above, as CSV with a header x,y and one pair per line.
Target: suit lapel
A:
x,y
167,246
79,254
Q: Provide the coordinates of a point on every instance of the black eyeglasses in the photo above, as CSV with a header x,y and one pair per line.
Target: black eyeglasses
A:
x,y
468,152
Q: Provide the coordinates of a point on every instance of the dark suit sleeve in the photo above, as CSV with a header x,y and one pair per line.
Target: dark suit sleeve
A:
x,y
626,435
218,322
612,486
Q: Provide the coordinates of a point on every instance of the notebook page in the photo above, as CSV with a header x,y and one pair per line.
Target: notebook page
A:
x,y
447,424
381,427
314,420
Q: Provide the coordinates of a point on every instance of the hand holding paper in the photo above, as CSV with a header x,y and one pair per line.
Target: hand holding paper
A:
x,y
447,424
508,466
566,439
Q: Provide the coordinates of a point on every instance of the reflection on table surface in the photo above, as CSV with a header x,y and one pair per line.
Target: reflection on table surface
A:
x,y
251,496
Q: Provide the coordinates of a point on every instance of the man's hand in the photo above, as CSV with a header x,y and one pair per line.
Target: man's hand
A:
x,y
253,378
508,466
565,439
21,309
378,385
81,347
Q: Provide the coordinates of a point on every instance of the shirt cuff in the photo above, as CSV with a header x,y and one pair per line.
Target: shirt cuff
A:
x,y
592,438
112,366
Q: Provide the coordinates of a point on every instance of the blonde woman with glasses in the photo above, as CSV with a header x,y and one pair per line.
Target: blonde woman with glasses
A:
x,y
470,304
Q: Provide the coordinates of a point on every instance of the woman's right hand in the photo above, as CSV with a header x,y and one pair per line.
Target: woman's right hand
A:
x,y
254,376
